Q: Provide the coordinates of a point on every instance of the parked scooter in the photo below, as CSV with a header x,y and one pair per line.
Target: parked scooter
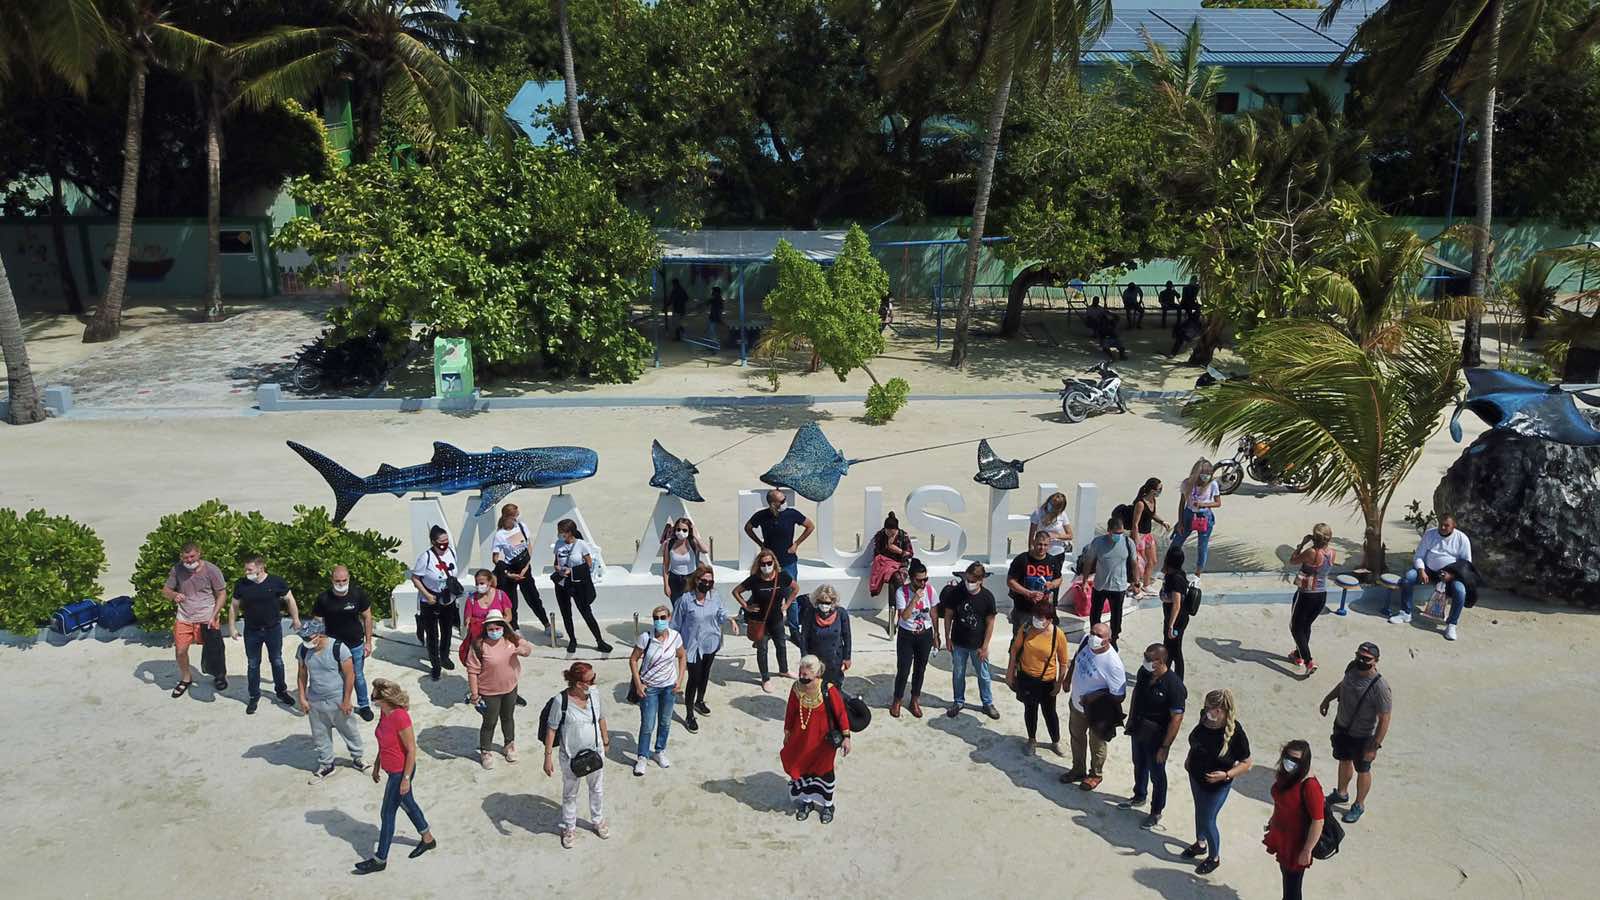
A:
x,y
1252,456
1082,396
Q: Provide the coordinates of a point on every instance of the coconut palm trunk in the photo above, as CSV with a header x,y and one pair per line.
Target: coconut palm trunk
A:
x,y
1471,340
107,321
213,296
980,203
21,391
568,74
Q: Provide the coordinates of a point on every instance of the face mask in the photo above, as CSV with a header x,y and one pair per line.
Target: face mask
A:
x,y
1364,664
825,608
682,535
766,570
705,587
805,682
494,634
483,589
258,577
194,566
1214,717
660,625
341,589
973,587
1150,666
1039,623
1096,642
1289,766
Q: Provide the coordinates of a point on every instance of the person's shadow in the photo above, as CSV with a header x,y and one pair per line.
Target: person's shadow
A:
x,y
766,707
1231,651
361,836
530,812
163,673
1182,883
764,792
297,751
446,742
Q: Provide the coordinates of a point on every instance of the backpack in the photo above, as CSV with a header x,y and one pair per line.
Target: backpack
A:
x,y
1332,832
1191,600
116,613
80,615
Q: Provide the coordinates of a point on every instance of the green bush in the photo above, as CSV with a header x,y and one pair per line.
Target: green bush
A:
x,y
48,562
884,400
301,552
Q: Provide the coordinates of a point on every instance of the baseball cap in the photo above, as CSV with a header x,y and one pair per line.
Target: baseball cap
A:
x,y
312,628
1369,648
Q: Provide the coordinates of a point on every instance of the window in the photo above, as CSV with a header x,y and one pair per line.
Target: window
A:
x,y
1227,102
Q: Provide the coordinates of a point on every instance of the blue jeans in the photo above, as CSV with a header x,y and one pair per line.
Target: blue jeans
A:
x,y
358,657
1208,800
1146,771
793,620
270,637
1181,533
393,802
655,714
959,658
1413,577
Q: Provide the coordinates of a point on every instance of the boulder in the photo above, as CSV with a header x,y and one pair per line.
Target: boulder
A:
x,y
1532,510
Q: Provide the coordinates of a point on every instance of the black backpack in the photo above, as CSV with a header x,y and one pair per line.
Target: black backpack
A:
x,y
1332,832
1191,600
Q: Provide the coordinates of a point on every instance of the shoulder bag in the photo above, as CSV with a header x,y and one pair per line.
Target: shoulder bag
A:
x,y
835,735
644,663
1031,689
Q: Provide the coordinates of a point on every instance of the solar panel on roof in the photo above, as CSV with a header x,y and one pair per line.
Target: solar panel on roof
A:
x,y
1230,31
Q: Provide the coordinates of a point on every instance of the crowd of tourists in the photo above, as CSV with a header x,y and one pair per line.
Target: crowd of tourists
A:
x,y
671,661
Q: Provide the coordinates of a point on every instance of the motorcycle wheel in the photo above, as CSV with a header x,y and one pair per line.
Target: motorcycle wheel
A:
x,y
1262,472
1229,476
1075,407
306,378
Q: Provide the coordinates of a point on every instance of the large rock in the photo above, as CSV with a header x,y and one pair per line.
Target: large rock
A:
x,y
1532,509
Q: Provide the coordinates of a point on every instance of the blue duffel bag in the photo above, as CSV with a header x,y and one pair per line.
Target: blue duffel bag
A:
x,y
116,613
77,616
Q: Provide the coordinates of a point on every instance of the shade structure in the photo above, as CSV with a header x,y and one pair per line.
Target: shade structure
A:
x,y
745,245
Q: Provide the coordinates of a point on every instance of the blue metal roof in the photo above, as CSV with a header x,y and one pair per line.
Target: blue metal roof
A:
x,y
1232,37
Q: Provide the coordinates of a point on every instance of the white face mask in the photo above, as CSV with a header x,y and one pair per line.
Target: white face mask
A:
x,y
1289,766
766,570
1040,623
193,567
483,589
1150,666
1214,717
974,586
257,577
682,534
1096,642
341,589
825,608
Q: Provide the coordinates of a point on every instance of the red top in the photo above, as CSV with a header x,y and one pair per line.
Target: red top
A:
x,y
1292,812
475,614
392,753
806,751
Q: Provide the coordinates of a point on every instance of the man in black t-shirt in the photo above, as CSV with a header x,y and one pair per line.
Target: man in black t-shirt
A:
x,y
347,614
1153,722
1033,579
967,610
263,597
773,528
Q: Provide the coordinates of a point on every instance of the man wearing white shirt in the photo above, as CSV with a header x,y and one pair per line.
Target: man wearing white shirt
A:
x,y
1440,548
1095,674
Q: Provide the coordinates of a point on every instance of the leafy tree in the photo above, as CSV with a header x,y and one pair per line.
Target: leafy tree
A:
x,y
395,53
528,253
1010,32
1531,296
51,561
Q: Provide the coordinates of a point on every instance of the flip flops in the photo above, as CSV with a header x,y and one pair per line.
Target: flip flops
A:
x,y
182,688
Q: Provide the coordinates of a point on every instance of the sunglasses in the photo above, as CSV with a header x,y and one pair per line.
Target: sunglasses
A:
x,y
919,582
661,618
1367,659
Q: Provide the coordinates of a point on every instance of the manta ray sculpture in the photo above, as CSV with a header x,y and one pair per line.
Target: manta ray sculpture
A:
x,y
675,474
496,473
1005,474
1511,402
812,467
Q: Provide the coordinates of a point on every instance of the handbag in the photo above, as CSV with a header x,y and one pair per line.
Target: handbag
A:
x,y
1031,689
835,736
633,692
1145,731
584,762
1199,524
756,626
1332,832
1436,607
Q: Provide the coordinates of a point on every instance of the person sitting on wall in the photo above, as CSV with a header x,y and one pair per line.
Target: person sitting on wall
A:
x,y
1103,327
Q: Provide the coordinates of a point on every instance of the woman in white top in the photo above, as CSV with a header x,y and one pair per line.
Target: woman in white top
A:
x,y
1197,497
513,564
914,603
574,581
681,551
1051,518
577,723
659,665
434,576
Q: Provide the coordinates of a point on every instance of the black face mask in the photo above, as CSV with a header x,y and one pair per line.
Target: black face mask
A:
x,y
705,587
1365,665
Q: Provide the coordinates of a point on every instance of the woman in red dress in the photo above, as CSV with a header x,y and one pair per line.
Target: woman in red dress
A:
x,y
1296,816
808,754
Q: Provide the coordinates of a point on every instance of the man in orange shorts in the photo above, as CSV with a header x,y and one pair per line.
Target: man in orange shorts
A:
x,y
196,586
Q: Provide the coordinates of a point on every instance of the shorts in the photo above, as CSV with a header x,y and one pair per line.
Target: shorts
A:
x,y
186,633
1145,541
1348,748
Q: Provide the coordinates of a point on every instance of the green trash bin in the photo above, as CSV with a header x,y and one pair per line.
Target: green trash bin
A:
x,y
452,368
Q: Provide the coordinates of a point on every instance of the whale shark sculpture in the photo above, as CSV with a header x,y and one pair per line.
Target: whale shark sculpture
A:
x,y
812,467
452,470
1511,402
675,474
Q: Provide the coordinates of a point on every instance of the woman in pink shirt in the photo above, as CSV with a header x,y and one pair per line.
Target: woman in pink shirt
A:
x,y
494,662
397,758
485,599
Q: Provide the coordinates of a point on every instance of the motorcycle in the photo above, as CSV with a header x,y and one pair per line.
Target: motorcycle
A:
x,y
1082,396
357,362
1251,456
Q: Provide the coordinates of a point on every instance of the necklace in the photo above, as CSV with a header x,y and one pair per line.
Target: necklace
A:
x,y
808,708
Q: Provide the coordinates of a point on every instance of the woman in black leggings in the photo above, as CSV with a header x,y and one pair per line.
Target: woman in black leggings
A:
x,y
770,592
1174,617
699,616
513,565
1315,557
574,581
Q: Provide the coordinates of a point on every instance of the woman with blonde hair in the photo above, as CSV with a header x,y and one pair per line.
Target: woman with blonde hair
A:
x,y
681,551
397,757
512,553
698,617
825,633
1315,557
771,591
1198,496
1219,752
660,667
1051,518
816,727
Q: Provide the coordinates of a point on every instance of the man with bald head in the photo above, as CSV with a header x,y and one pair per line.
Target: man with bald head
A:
x,y
346,613
1098,682
773,529
1154,718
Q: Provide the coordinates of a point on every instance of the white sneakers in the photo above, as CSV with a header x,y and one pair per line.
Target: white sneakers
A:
x,y
638,766
1449,632
1400,618
662,761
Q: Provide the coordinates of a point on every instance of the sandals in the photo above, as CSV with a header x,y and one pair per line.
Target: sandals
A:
x,y
826,815
802,812
182,688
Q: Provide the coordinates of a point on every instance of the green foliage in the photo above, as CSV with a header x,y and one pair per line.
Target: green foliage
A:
x,y
836,313
50,561
1419,518
1530,295
884,400
528,253
301,552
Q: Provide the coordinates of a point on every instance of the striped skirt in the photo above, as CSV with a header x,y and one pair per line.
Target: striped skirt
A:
x,y
816,790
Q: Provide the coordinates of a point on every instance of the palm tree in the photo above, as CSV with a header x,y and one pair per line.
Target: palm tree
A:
x,y
1531,295
568,74
1467,44
394,52
1009,32
141,35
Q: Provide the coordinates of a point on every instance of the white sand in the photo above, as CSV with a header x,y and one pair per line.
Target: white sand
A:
x,y
1482,789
